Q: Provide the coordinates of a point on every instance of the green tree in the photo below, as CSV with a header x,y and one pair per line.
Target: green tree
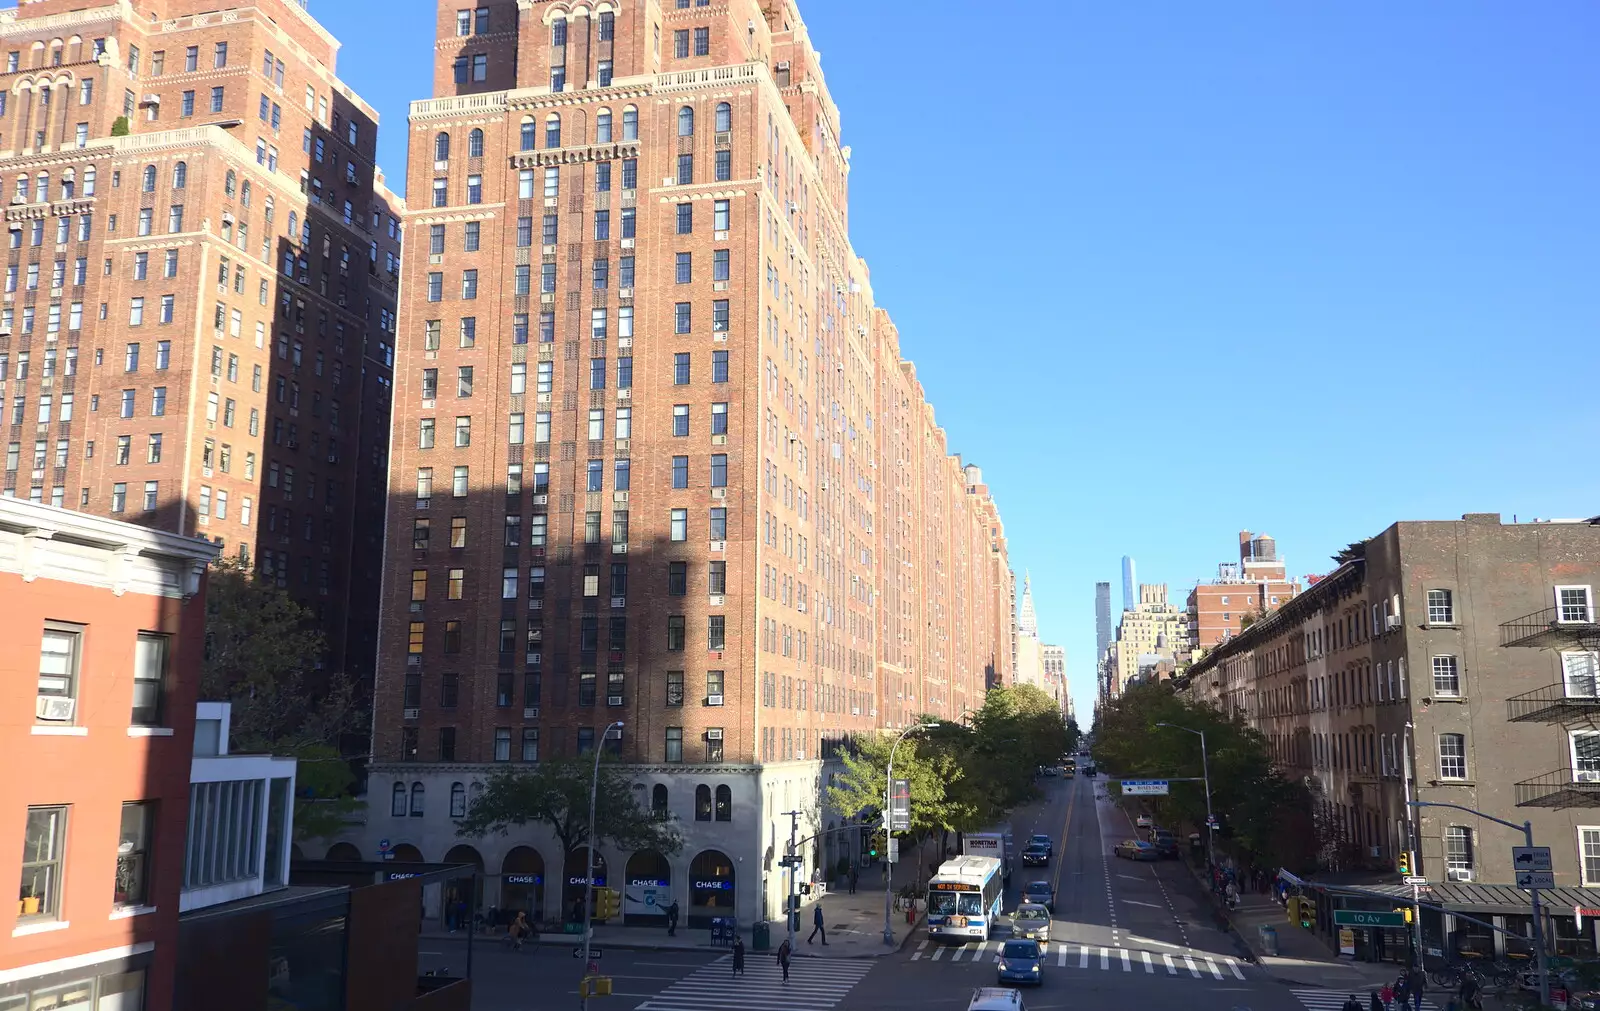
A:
x,y
555,794
261,655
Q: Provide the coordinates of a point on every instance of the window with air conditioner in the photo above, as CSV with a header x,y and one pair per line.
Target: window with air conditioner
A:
x,y
60,653
1586,756
1458,853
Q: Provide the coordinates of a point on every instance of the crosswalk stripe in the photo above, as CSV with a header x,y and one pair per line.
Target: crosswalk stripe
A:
x,y
1234,966
1194,970
814,985
1148,965
1332,1000
938,952
918,953
1061,955
1172,970
1083,958
1212,965
1126,965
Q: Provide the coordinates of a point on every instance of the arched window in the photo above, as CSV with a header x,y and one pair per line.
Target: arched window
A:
x,y
558,32
686,122
416,800
68,184
724,804
180,175
602,126
397,801
724,117
244,193
270,209
230,183
658,801
441,147
530,130
475,143
294,232
149,183
552,130
458,800
630,123
44,186
702,803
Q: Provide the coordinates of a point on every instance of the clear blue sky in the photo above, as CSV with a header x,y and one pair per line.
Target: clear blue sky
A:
x,y
1170,270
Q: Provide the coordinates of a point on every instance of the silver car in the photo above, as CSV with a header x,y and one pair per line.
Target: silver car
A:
x,y
1031,922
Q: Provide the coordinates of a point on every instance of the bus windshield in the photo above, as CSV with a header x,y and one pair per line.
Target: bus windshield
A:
x,y
972,903
944,903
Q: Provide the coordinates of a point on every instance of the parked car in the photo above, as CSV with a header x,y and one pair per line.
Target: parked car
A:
x,y
1035,856
1041,893
1144,821
1031,921
1091,771
1021,962
1135,849
1040,839
1166,844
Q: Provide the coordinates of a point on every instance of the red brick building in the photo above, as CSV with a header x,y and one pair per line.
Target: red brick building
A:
x,y
104,623
657,457
1256,585
201,269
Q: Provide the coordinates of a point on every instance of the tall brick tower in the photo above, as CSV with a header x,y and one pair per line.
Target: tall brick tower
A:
x,y
636,473
196,332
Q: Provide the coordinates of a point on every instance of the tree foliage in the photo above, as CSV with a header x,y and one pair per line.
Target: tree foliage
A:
x,y
261,655
555,793
1262,812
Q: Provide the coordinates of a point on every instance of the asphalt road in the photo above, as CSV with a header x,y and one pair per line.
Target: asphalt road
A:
x,y
1125,935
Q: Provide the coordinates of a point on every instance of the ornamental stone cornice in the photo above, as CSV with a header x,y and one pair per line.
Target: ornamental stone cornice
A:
x,y
676,195
574,155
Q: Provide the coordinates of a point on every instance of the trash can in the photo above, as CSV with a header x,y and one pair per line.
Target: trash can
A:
x,y
1269,939
761,936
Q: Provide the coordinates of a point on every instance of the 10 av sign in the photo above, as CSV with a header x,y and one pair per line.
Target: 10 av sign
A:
x,y
1367,918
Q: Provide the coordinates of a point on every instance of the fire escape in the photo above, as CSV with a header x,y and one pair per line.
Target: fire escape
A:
x,y
1571,703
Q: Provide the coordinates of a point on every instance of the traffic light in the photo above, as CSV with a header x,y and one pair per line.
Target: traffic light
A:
x,y
607,903
1404,911
1404,862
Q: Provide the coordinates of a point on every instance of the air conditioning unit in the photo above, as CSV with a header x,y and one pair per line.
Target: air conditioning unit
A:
x,y
1586,776
412,714
713,700
530,712
54,707
613,700
413,660
1458,874
619,602
714,734
1391,622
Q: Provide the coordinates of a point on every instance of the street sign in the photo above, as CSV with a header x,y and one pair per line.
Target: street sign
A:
x,y
900,806
1414,880
1531,858
1367,918
894,850
1536,879
594,953
1144,788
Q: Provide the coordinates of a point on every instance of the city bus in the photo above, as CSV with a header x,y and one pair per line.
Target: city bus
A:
x,y
964,898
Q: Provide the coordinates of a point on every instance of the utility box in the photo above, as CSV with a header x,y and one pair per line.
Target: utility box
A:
x,y
761,936
1269,939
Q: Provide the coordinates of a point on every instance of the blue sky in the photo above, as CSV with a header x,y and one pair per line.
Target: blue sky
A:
x,y
1169,270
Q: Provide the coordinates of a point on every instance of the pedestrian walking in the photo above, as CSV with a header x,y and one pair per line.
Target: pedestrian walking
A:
x,y
783,958
672,919
1352,1004
1386,994
817,926
1402,991
1469,992
855,875
738,956
1416,983
1374,1003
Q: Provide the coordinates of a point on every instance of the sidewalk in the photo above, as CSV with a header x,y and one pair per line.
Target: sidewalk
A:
x,y
1302,958
854,926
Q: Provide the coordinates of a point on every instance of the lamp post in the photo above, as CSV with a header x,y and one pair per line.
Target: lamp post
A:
x,y
1205,772
888,868
588,875
1526,828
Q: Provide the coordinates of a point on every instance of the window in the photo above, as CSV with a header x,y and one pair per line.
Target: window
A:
x,y
680,420
1458,852
716,634
530,744
719,419
724,794
1586,756
59,656
680,369
719,523
1441,610
1580,672
219,58
685,217
133,852
630,131
686,121
719,366
719,316
150,676
717,578
719,470
1573,604
680,43
43,852
675,632
418,797
1446,677
502,744
674,745
397,801
702,41
1453,756
679,528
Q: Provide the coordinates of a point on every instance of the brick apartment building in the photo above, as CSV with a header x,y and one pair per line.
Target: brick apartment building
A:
x,y
1256,584
196,332
1448,661
104,626
657,458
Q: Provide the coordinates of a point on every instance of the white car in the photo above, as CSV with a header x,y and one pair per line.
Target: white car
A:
x,y
1143,821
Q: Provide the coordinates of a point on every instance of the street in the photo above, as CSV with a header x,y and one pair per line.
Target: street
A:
x,y
1123,934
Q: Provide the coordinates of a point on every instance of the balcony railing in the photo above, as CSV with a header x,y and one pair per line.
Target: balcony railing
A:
x,y
1551,629
1562,788
1552,704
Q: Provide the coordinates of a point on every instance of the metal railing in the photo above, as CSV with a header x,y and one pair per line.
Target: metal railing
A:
x,y
1546,628
1562,788
1552,704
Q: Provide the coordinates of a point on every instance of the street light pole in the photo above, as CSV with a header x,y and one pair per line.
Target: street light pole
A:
x,y
1526,828
588,882
888,868
1205,773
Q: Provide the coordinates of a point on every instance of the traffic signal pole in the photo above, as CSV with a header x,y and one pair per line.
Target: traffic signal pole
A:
x,y
791,911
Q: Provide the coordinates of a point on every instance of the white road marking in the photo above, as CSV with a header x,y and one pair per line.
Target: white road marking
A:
x,y
1194,970
918,953
1083,959
1212,965
1061,955
1234,966
1148,965
938,953
1172,970
1126,965
1105,958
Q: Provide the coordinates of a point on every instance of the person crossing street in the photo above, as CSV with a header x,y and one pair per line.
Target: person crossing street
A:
x,y
784,952
817,926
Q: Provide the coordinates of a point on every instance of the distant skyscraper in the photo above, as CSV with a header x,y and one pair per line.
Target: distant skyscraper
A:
x,y
1130,584
1102,619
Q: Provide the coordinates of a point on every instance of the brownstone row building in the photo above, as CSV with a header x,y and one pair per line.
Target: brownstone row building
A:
x,y
657,457
1449,662
199,299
